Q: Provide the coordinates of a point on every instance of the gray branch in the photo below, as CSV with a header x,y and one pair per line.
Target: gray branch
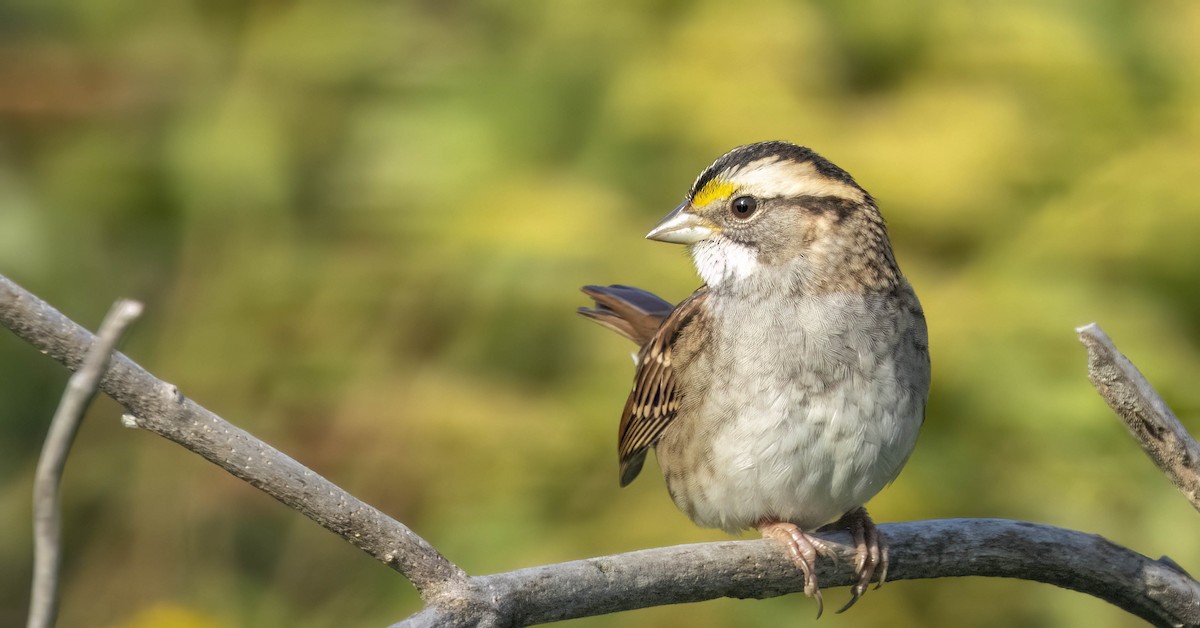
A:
x,y
159,407
1144,412
47,506
1158,591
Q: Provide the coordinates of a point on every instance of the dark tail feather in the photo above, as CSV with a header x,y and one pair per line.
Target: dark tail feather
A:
x,y
631,312
631,466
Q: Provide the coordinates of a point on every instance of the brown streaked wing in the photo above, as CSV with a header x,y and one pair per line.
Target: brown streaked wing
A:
x,y
653,403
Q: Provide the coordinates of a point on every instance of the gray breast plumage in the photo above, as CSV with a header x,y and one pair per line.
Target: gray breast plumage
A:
x,y
796,408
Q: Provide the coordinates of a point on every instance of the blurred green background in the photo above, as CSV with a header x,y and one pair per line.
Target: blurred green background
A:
x,y
359,229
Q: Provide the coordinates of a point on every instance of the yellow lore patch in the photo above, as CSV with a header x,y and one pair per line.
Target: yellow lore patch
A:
x,y
715,189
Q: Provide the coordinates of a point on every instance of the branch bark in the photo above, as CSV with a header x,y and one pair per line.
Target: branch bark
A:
x,y
1143,411
1158,591
47,506
159,407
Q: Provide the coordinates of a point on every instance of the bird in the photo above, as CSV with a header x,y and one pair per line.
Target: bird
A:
x,y
790,387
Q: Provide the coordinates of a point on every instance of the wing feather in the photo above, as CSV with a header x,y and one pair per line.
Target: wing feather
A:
x,y
653,402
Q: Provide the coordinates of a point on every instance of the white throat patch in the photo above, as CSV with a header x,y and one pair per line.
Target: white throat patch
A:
x,y
720,260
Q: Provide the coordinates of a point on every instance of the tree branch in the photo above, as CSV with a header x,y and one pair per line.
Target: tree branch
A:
x,y
47,507
1158,591
1144,412
159,407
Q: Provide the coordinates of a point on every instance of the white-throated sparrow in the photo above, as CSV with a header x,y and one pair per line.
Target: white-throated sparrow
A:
x,y
789,389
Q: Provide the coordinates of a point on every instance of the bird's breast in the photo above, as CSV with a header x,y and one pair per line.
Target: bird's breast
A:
x,y
794,408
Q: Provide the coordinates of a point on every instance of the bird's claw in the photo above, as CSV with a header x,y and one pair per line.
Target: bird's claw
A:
x,y
870,553
803,550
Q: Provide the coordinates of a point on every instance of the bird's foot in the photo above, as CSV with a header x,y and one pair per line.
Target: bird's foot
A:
x,y
870,551
803,550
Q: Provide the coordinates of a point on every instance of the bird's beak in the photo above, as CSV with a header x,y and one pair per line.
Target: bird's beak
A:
x,y
682,227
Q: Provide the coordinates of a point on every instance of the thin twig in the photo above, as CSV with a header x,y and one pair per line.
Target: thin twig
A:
x,y
1144,412
47,506
160,407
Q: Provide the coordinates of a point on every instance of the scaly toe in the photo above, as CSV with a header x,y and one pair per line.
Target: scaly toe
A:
x,y
803,550
870,553
883,563
877,551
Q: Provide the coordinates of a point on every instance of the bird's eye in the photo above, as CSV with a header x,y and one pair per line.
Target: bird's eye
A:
x,y
744,206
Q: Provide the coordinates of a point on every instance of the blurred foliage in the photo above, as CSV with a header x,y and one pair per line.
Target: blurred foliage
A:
x,y
359,229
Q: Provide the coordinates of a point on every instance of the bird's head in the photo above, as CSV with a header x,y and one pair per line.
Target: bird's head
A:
x,y
780,207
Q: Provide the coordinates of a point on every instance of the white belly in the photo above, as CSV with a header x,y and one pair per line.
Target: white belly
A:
x,y
801,424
